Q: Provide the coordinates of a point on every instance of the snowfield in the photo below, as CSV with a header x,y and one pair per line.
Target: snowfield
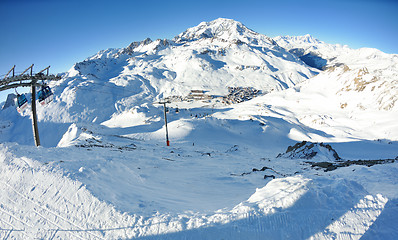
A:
x,y
57,192
312,156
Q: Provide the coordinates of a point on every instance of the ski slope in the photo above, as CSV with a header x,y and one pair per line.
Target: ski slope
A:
x,y
148,191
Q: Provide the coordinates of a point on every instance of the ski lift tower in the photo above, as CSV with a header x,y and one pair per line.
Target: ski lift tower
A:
x,y
28,80
165,120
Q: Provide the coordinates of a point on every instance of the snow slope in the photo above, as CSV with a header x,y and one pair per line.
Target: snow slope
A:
x,y
104,171
43,201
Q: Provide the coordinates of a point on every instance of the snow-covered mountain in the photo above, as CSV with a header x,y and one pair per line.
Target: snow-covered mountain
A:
x,y
211,57
225,29
361,76
314,52
235,170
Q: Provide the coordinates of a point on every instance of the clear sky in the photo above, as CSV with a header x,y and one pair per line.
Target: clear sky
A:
x,y
61,33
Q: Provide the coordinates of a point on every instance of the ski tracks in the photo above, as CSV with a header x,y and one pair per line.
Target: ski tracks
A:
x,y
37,202
29,224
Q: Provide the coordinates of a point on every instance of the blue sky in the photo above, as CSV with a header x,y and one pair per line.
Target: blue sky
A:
x,y
61,33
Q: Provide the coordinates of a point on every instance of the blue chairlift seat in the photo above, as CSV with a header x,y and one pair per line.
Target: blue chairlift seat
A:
x,y
45,95
21,102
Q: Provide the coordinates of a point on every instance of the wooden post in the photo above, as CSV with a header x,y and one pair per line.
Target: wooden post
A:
x,y
34,116
13,72
45,70
31,66
165,122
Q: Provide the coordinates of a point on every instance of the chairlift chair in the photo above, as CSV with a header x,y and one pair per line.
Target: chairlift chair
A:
x,y
21,102
45,95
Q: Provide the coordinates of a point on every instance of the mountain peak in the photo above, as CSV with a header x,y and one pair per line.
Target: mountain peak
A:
x,y
302,40
222,28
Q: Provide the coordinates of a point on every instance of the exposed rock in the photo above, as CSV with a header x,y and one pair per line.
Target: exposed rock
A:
x,y
10,102
308,150
133,45
328,166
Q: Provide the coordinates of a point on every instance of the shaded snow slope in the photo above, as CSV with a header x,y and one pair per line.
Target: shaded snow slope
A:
x,y
314,52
